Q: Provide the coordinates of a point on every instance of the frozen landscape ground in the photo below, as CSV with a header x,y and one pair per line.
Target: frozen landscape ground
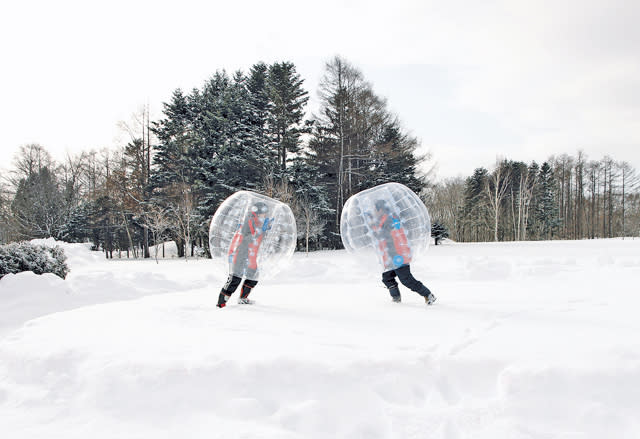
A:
x,y
526,340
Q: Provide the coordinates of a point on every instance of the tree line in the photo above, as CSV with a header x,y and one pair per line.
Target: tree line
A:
x,y
567,197
248,131
245,131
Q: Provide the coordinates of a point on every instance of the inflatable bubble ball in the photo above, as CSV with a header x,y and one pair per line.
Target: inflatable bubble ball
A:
x,y
252,235
388,224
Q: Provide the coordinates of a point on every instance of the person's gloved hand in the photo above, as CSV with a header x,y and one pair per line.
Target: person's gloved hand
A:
x,y
266,225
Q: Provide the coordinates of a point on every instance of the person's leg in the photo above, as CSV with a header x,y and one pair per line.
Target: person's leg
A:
x,y
227,290
407,279
389,280
247,286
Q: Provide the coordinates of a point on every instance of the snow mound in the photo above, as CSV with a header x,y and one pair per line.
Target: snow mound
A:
x,y
26,281
78,254
92,279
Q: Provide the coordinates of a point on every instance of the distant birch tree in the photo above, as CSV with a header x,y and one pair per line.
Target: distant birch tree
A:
x,y
497,188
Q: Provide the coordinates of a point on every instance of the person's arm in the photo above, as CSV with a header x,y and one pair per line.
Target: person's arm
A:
x,y
266,224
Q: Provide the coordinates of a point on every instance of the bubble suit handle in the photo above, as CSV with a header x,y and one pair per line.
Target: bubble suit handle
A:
x,y
388,224
252,235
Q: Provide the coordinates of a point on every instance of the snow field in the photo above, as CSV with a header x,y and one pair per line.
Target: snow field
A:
x,y
527,340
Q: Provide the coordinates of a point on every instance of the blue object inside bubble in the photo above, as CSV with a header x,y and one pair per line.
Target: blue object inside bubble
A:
x,y
398,260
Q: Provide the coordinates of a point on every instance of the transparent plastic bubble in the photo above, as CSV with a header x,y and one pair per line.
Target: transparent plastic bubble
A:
x,y
253,235
388,224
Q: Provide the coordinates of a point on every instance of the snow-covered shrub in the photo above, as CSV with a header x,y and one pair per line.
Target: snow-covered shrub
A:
x,y
25,256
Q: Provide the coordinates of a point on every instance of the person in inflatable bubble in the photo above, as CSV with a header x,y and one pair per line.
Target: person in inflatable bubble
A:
x,y
395,250
243,255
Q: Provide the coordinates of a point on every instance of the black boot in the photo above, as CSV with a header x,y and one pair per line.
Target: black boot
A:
x,y
222,300
395,294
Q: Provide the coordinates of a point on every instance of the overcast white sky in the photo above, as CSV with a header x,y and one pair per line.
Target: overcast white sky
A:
x,y
471,79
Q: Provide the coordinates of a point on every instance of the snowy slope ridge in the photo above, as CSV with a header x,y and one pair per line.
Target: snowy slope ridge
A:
x,y
527,340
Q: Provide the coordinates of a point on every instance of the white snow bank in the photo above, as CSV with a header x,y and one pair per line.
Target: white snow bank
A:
x,y
92,279
77,254
529,340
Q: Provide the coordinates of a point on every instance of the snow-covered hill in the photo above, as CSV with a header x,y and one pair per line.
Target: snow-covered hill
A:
x,y
527,340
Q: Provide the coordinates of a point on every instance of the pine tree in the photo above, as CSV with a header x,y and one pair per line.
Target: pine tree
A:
x,y
475,213
78,227
530,200
288,100
439,232
240,160
38,206
356,141
177,161
395,160
547,210
212,143
263,108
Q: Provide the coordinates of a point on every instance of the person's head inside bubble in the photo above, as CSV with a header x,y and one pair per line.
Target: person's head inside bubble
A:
x,y
381,207
260,209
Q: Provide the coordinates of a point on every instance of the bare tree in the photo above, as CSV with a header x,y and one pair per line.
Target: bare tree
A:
x,y
183,210
158,222
528,183
610,177
445,201
630,182
310,223
310,219
71,173
338,89
579,211
563,170
30,160
496,191
138,152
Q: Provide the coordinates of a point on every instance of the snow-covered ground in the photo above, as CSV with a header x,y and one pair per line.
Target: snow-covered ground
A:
x,y
526,340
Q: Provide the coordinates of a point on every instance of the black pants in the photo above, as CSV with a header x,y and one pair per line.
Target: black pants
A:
x,y
234,281
407,279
